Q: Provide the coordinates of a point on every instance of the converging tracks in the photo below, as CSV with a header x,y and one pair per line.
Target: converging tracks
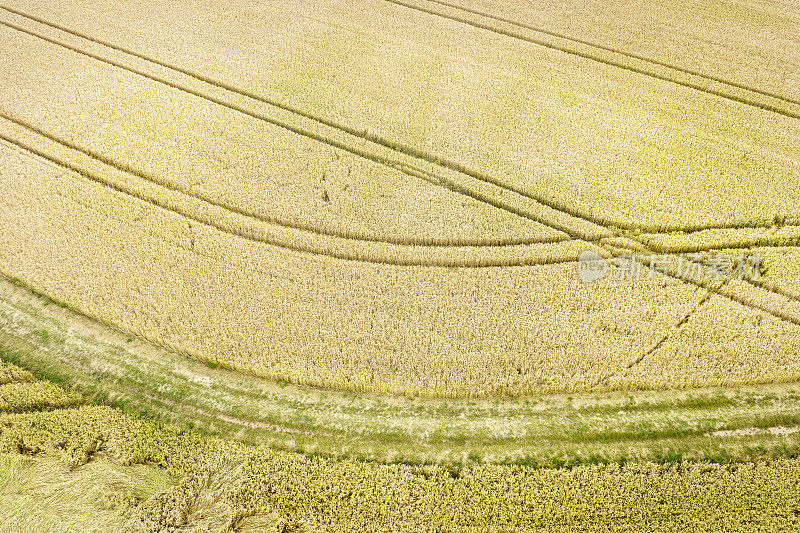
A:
x,y
578,229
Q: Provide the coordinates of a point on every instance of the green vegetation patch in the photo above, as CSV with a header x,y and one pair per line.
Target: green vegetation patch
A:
x,y
220,484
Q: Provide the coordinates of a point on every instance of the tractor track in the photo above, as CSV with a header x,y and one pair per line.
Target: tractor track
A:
x,y
306,228
675,329
320,230
595,233
631,55
569,45
395,258
608,229
395,146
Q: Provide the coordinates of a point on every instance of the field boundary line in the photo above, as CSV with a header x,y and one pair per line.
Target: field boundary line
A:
x,y
594,56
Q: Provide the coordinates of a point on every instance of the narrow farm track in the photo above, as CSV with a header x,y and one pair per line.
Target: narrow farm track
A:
x,y
551,258
100,361
304,227
658,344
397,256
598,229
419,158
767,241
738,295
712,85
486,262
616,51
485,188
461,258
726,291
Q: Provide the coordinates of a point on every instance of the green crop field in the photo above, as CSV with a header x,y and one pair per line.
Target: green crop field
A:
x,y
399,265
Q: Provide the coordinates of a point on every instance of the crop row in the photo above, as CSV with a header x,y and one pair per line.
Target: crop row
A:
x,y
10,373
21,392
34,396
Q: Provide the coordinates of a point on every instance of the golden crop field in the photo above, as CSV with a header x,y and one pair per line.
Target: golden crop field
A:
x,y
513,264
92,468
328,225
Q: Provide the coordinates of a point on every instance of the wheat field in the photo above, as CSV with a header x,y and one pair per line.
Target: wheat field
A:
x,y
76,468
399,266
342,224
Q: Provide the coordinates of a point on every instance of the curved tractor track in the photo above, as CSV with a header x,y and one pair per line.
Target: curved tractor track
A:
x,y
610,236
168,386
239,226
417,155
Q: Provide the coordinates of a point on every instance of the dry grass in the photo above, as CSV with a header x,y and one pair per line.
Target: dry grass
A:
x,y
45,494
